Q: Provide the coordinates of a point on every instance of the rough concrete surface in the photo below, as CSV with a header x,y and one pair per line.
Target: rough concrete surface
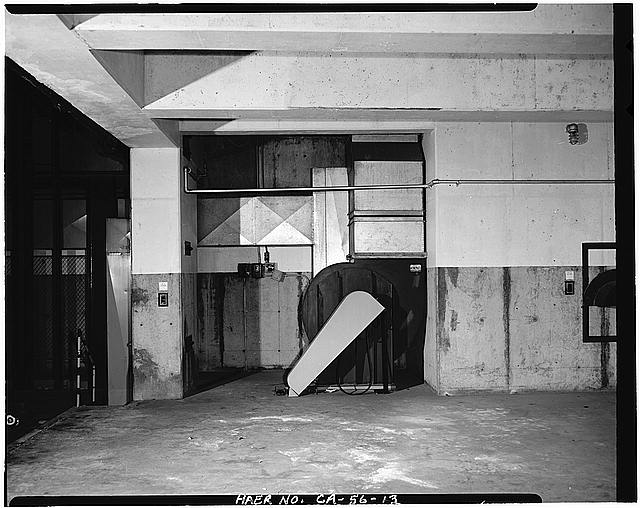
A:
x,y
248,322
241,438
157,337
289,80
503,328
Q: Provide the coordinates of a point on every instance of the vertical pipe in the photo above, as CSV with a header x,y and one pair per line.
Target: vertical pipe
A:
x,y
129,324
79,353
424,190
244,320
279,325
93,383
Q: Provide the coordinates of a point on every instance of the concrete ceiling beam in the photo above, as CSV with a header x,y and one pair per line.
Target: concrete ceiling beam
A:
x,y
299,84
530,44
548,29
385,115
544,19
55,56
367,123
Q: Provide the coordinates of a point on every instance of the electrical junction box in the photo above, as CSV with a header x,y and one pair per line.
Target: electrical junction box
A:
x,y
256,270
569,287
163,299
569,283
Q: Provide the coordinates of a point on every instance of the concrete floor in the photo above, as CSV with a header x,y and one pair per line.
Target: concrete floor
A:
x,y
241,438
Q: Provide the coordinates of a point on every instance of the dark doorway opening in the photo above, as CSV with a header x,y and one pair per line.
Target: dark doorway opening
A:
x,y
64,176
388,352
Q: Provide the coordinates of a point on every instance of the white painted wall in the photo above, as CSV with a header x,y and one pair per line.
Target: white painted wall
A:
x,y
226,259
521,150
156,183
532,225
519,225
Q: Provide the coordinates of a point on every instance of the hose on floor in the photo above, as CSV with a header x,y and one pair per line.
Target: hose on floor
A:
x,y
356,391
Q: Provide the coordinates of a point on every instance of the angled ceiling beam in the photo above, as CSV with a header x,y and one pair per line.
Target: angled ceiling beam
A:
x,y
55,56
73,20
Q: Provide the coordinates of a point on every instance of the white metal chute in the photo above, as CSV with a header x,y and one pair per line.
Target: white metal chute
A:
x,y
354,313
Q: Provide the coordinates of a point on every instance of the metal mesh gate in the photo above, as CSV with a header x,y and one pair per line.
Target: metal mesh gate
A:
x,y
74,313
59,314
42,343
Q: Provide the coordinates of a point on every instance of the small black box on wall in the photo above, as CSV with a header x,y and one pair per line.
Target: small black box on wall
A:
x,y
163,299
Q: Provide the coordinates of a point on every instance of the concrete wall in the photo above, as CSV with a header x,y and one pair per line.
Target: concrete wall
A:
x,y
288,161
513,328
431,368
260,329
156,229
498,253
289,258
524,225
249,322
157,338
497,318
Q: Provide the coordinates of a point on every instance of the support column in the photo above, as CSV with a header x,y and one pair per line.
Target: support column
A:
x,y
431,364
156,247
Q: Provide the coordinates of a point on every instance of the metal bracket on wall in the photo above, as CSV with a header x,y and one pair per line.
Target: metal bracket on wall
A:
x,y
586,247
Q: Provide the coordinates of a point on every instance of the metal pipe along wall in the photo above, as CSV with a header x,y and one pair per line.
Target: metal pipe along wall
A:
x,y
427,185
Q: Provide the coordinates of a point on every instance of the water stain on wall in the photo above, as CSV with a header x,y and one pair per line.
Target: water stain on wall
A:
x,y
442,334
454,320
139,296
210,336
453,275
506,290
144,367
253,321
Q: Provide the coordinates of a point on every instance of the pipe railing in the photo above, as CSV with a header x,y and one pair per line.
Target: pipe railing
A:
x,y
82,348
